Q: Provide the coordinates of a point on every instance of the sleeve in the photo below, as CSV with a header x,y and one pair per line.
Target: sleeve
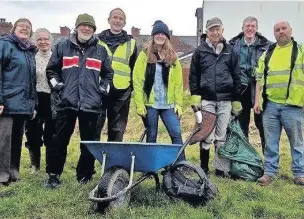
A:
x,y
235,73
139,80
179,85
132,63
54,68
195,74
259,70
106,72
5,57
1,73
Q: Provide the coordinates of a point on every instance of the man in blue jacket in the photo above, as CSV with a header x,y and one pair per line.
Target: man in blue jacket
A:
x,y
80,72
249,46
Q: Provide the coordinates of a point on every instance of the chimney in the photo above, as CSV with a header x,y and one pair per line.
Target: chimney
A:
x,y
65,31
135,32
5,27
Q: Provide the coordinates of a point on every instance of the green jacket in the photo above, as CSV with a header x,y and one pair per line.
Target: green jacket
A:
x,y
175,83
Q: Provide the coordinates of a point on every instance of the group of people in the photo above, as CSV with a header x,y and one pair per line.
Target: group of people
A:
x,y
44,89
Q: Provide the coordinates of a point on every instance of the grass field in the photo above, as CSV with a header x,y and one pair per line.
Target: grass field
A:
x,y
236,199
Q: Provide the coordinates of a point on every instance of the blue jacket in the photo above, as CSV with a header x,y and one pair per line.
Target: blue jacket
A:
x,y
17,76
81,73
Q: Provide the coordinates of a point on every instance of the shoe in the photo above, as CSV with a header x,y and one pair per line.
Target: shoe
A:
x,y
52,181
4,184
220,173
84,180
265,180
34,170
299,181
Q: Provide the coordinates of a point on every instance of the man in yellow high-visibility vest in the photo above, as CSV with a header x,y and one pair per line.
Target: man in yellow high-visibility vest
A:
x,y
122,51
280,95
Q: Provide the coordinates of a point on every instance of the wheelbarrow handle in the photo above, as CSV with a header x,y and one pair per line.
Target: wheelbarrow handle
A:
x,y
186,144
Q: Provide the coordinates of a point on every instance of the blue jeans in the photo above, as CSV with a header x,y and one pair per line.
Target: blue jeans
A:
x,y
275,117
170,121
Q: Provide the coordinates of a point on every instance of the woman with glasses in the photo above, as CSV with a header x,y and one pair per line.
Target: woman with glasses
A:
x,y
17,95
40,130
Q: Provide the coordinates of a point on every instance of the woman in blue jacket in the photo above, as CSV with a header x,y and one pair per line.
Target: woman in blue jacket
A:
x,y
17,95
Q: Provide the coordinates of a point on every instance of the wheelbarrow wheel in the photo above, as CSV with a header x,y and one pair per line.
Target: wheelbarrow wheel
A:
x,y
113,181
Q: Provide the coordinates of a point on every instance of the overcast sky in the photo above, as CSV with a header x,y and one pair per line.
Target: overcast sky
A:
x,y
179,15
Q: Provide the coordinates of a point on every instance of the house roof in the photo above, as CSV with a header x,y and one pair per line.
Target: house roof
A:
x,y
180,44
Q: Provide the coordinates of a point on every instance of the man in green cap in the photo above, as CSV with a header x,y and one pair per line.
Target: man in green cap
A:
x,y
79,70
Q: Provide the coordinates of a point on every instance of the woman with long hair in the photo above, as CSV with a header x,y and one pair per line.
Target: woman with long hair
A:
x,y
158,85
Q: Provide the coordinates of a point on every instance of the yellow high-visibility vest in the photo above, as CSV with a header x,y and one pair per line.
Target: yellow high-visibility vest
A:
x,y
120,63
281,85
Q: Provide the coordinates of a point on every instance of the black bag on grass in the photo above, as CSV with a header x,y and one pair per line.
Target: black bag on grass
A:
x,y
193,186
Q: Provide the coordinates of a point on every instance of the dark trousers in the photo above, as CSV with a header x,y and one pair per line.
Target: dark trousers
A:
x,y
64,128
40,130
244,117
116,109
11,133
204,157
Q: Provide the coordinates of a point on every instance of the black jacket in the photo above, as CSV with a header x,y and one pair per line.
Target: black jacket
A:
x,y
82,71
215,77
261,46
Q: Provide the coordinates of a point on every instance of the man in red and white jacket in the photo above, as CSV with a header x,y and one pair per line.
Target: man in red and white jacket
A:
x,y
79,70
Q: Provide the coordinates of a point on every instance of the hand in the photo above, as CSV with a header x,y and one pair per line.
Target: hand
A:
x,y
34,115
256,109
58,88
178,110
105,89
1,109
196,100
142,112
236,108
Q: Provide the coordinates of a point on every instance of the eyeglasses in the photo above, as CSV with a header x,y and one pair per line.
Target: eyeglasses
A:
x,y
28,27
43,40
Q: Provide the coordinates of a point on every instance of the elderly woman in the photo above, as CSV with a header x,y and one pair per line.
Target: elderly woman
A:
x,y
17,95
39,131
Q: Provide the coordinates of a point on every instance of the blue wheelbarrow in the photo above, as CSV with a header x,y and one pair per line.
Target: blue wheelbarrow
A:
x,y
121,159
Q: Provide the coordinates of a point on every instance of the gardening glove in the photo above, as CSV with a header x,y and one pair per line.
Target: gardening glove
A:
x,y
178,110
58,87
142,112
236,108
105,89
196,100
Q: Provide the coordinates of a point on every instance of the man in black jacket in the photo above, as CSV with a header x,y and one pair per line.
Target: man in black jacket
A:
x,y
249,45
80,71
214,76
122,50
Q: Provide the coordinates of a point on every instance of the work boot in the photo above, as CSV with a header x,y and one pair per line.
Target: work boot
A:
x,y
84,180
265,180
299,181
204,157
52,181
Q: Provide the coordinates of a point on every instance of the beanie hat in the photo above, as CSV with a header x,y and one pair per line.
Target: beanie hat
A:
x,y
85,19
22,20
160,27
